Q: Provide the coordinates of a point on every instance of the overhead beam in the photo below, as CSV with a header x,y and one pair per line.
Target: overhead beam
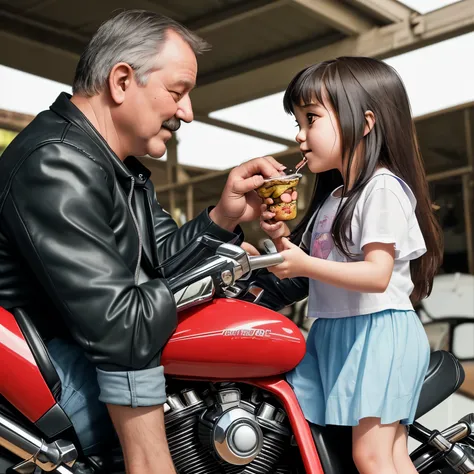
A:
x,y
382,42
265,59
14,121
246,131
17,23
235,14
36,58
437,113
388,11
336,14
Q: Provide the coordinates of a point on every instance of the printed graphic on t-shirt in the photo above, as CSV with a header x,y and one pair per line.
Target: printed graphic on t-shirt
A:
x,y
322,241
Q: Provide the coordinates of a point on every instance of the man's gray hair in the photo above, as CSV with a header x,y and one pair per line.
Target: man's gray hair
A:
x,y
134,37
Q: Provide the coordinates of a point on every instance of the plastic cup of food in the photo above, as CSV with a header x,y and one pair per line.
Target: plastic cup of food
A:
x,y
282,191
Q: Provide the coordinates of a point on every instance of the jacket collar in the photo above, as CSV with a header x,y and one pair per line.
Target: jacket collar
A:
x,y
66,109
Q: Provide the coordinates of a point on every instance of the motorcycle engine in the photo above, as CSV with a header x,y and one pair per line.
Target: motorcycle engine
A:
x,y
222,431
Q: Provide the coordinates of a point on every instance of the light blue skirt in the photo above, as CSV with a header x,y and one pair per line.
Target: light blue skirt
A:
x,y
362,366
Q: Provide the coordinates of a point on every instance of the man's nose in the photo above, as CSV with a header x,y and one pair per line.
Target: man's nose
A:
x,y
185,110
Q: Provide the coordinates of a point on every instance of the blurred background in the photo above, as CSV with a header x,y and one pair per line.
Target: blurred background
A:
x,y
257,47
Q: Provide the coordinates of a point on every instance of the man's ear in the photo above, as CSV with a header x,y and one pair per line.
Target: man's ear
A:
x,y
120,78
369,122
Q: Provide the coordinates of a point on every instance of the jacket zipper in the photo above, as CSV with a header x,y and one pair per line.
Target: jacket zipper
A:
x,y
135,221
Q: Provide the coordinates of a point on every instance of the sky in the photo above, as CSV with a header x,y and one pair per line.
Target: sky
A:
x,y
436,77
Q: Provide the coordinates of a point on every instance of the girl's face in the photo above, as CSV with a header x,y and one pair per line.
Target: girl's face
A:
x,y
319,137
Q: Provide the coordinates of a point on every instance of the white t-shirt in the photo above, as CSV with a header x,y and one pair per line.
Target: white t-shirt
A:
x,y
384,212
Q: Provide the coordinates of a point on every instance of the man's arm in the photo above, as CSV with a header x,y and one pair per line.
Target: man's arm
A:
x,y
58,213
180,248
238,203
280,293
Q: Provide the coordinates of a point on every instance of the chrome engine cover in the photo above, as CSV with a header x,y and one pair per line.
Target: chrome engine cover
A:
x,y
237,438
219,432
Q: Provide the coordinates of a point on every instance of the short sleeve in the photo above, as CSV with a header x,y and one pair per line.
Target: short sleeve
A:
x,y
388,216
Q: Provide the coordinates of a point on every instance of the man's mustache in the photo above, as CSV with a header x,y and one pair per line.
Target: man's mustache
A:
x,y
172,124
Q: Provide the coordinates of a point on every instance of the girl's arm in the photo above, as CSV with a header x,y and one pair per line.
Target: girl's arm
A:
x,y
369,276
277,293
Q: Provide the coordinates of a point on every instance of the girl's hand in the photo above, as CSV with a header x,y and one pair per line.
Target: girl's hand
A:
x,y
295,264
275,230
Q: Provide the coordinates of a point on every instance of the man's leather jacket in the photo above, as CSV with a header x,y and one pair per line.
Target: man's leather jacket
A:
x,y
84,245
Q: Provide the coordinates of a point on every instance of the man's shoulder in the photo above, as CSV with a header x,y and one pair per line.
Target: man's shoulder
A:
x,y
44,128
47,128
49,136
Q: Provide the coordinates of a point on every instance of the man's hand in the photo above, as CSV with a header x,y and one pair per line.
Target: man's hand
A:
x,y
296,261
249,248
238,202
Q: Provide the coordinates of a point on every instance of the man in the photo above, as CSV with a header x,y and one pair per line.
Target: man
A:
x,y
84,244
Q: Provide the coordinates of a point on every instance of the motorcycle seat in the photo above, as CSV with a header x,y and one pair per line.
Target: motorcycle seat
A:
x,y
444,376
39,351
334,443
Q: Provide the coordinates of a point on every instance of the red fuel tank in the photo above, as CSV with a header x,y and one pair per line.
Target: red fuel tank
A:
x,y
231,338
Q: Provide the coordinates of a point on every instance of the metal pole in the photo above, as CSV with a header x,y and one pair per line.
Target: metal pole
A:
x,y
189,202
467,180
467,202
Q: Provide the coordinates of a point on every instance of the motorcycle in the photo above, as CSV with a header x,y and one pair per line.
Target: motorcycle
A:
x,y
229,409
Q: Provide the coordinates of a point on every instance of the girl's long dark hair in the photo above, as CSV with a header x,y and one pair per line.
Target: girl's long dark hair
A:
x,y
352,86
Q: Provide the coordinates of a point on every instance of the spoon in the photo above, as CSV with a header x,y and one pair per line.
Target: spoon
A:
x,y
299,166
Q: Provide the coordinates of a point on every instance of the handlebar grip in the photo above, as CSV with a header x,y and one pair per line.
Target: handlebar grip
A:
x,y
264,261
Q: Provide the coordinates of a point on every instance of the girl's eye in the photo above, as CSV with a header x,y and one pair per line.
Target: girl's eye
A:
x,y
297,124
311,118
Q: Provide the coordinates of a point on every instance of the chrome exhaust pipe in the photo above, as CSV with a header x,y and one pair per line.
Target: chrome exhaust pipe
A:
x,y
35,451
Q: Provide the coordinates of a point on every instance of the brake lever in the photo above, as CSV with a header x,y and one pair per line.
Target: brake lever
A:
x,y
269,246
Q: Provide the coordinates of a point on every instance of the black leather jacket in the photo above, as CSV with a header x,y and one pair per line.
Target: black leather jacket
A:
x,y
74,220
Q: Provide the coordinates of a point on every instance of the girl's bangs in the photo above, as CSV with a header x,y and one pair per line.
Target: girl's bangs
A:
x,y
305,88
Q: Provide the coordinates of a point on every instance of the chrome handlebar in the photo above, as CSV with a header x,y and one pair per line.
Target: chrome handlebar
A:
x,y
219,272
265,261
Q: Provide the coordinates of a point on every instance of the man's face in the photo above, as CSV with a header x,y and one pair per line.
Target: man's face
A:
x,y
150,113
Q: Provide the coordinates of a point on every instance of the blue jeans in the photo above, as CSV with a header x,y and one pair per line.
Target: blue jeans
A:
x,y
86,390
80,396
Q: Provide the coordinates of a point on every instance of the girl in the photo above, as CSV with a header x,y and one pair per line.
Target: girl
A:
x,y
373,248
